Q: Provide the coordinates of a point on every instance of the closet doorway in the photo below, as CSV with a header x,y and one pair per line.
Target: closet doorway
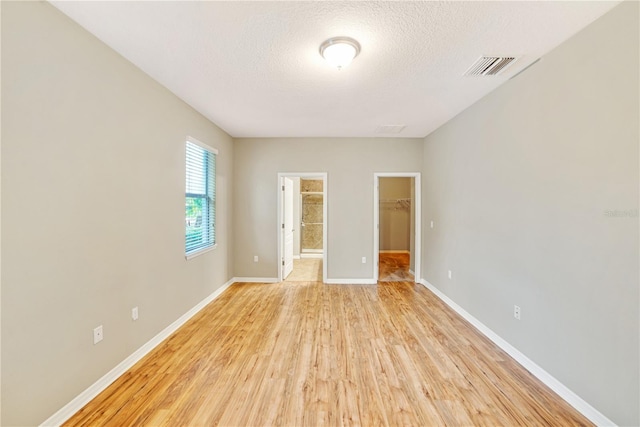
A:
x,y
302,226
397,226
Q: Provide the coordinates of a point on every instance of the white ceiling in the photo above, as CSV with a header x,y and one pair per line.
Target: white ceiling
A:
x,y
253,68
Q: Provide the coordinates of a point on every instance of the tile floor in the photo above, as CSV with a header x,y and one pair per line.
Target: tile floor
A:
x,y
306,270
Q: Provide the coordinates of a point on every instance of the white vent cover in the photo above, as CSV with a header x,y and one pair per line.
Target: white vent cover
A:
x,y
490,65
390,128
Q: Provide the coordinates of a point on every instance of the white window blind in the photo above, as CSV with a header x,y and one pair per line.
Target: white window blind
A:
x,y
200,197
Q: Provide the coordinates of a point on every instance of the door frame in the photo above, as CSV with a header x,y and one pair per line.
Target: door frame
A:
x,y
417,204
288,234
280,217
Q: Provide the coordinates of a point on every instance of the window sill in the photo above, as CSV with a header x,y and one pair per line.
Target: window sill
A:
x,y
199,252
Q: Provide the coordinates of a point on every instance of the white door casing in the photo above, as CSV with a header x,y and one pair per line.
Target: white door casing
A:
x,y
287,230
280,218
417,204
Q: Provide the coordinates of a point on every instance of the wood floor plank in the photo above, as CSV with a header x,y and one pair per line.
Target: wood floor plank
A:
x,y
308,354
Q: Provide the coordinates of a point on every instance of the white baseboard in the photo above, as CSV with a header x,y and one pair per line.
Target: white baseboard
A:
x,y
296,257
393,251
563,391
350,282
413,273
86,396
256,279
92,391
311,255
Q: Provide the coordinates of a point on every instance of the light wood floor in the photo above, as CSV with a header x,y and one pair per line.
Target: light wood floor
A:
x,y
394,267
308,354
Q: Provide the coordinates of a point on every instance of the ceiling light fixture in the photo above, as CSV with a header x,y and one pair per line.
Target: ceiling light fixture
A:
x,y
339,51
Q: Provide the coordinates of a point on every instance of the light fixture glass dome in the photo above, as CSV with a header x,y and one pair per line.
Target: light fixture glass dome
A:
x,y
340,51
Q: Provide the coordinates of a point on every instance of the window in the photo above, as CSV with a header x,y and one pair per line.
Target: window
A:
x,y
200,198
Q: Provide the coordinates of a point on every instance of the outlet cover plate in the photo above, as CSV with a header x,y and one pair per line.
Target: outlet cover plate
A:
x,y
98,334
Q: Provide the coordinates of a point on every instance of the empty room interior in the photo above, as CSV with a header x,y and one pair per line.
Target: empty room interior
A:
x,y
416,213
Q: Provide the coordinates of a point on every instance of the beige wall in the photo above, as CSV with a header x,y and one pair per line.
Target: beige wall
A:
x,y
350,164
395,221
0,224
520,185
92,209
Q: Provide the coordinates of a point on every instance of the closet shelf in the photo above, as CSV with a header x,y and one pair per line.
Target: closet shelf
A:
x,y
395,204
408,199
311,192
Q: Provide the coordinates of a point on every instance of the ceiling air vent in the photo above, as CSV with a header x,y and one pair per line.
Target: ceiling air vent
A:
x,y
390,128
490,65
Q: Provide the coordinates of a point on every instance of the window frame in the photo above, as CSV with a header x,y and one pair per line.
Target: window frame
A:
x,y
210,193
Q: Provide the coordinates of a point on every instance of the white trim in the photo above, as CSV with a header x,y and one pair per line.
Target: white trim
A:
x,y
390,251
68,410
350,281
296,257
202,145
417,213
311,255
325,220
411,271
199,252
560,389
256,279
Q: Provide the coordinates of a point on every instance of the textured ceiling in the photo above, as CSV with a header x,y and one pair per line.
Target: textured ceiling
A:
x,y
254,69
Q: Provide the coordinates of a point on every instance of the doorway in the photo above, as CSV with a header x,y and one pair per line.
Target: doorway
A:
x,y
397,226
302,226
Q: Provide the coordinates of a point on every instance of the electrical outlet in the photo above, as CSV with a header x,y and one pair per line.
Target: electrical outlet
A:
x,y
255,258
134,313
516,312
97,334
449,274
364,259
